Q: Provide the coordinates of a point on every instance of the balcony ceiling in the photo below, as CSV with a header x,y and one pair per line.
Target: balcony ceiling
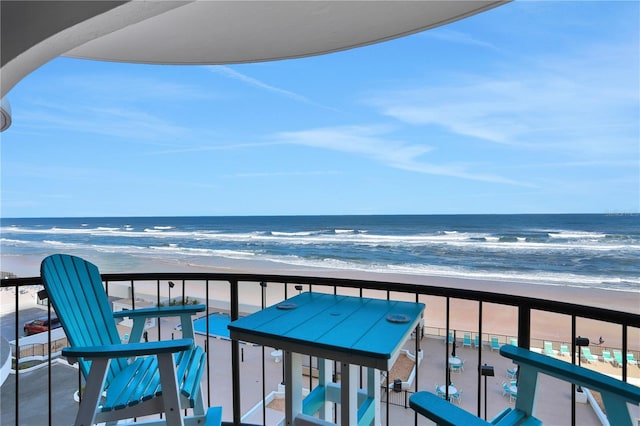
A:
x,y
205,31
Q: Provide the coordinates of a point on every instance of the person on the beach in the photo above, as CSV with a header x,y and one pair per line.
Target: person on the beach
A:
x,y
601,340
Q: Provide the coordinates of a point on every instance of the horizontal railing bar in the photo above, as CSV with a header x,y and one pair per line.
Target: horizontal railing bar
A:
x,y
590,312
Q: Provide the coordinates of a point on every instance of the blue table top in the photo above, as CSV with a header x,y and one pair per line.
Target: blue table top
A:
x,y
356,330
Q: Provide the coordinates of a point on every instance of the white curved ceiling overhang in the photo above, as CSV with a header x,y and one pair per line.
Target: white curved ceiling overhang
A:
x,y
206,31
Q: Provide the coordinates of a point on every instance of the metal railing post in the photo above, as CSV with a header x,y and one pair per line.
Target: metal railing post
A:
x,y
418,349
447,373
480,356
17,330
524,326
624,352
49,369
235,356
573,361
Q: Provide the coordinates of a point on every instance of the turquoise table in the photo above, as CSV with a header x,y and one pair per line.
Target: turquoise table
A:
x,y
351,330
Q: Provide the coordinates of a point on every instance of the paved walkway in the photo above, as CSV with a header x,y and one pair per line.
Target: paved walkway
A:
x,y
34,396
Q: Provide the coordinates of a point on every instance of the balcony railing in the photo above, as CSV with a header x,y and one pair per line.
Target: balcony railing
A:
x,y
234,368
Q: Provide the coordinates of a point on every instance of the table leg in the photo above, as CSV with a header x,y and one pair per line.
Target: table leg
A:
x,y
373,391
324,378
349,394
293,386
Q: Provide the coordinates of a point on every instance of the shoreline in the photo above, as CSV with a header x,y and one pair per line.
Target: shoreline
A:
x,y
497,319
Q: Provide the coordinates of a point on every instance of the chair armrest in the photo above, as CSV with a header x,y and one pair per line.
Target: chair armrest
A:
x,y
571,373
162,311
128,350
442,412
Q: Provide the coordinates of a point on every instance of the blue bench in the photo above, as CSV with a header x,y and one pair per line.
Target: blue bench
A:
x,y
615,393
444,413
331,392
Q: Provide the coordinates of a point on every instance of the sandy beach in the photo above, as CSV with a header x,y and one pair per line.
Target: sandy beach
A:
x,y
497,319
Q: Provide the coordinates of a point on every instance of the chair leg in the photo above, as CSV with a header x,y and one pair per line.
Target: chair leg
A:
x,y
92,393
198,407
170,395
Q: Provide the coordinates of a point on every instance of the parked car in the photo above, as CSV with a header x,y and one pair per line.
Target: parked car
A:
x,y
41,324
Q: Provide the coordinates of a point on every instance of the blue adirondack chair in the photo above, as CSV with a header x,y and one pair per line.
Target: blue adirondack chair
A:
x,y
124,380
616,394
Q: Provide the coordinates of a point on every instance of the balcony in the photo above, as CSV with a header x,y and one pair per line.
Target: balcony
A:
x,y
240,376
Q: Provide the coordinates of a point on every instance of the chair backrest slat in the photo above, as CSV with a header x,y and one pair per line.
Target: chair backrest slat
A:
x,y
77,294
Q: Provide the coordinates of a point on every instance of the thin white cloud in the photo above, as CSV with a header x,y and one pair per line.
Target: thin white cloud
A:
x,y
116,86
371,142
231,73
285,174
221,147
628,163
458,37
586,105
130,124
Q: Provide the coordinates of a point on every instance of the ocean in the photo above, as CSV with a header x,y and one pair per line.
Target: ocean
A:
x,y
581,250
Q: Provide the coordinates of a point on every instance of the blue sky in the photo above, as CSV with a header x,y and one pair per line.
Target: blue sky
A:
x,y
533,107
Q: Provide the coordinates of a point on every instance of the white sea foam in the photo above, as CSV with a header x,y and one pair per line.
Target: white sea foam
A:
x,y
186,251
575,235
291,234
8,241
546,278
476,241
344,231
547,256
62,244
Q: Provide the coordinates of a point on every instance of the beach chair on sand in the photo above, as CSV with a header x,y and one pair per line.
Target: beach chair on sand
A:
x,y
495,344
586,354
606,357
631,359
129,380
505,389
466,341
617,358
564,350
548,349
